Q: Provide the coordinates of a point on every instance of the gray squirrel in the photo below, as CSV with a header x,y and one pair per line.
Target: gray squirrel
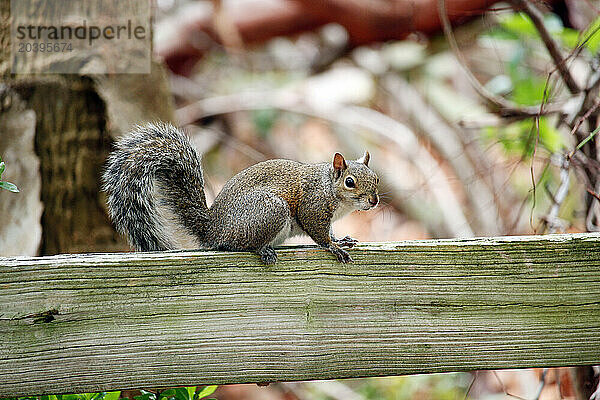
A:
x,y
154,176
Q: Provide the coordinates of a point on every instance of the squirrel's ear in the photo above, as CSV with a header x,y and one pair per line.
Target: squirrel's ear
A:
x,y
339,164
365,158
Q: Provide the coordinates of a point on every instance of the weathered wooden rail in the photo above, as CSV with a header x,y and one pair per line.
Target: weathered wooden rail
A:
x,y
85,323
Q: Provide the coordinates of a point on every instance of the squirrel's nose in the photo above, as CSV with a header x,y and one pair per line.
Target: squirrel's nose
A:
x,y
373,200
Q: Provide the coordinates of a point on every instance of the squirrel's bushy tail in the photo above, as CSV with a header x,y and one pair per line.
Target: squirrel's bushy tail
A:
x,y
155,165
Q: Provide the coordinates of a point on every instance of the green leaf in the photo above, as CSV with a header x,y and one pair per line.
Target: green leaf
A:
x,y
2,166
71,397
12,188
207,391
184,393
190,392
167,394
519,23
112,395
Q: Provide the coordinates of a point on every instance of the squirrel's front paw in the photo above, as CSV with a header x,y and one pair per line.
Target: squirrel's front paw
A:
x,y
267,255
341,254
346,242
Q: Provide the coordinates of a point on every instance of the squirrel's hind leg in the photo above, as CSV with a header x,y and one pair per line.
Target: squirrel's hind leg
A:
x,y
258,221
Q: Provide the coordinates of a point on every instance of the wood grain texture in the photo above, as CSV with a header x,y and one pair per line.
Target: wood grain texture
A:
x,y
86,323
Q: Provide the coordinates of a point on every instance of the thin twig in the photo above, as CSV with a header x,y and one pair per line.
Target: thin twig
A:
x,y
559,61
471,385
498,104
545,96
585,116
537,140
594,194
532,173
587,167
591,91
583,142
593,213
580,45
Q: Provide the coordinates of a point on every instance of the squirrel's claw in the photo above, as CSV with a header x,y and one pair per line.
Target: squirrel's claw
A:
x,y
341,254
346,242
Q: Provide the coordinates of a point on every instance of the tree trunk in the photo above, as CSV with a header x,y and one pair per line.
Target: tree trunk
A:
x,y
76,118
72,143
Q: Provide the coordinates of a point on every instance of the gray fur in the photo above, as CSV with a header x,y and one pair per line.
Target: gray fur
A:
x,y
156,152
155,167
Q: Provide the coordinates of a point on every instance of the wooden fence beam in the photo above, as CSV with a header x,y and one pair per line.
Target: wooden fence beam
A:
x,y
87,323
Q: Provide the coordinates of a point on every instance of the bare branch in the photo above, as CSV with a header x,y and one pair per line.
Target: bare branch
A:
x,y
593,214
498,104
471,385
585,116
559,61
594,194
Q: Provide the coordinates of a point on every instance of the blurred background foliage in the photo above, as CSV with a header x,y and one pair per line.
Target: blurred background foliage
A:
x,y
450,164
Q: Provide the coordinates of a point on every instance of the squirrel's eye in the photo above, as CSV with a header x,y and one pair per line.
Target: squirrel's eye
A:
x,y
349,182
